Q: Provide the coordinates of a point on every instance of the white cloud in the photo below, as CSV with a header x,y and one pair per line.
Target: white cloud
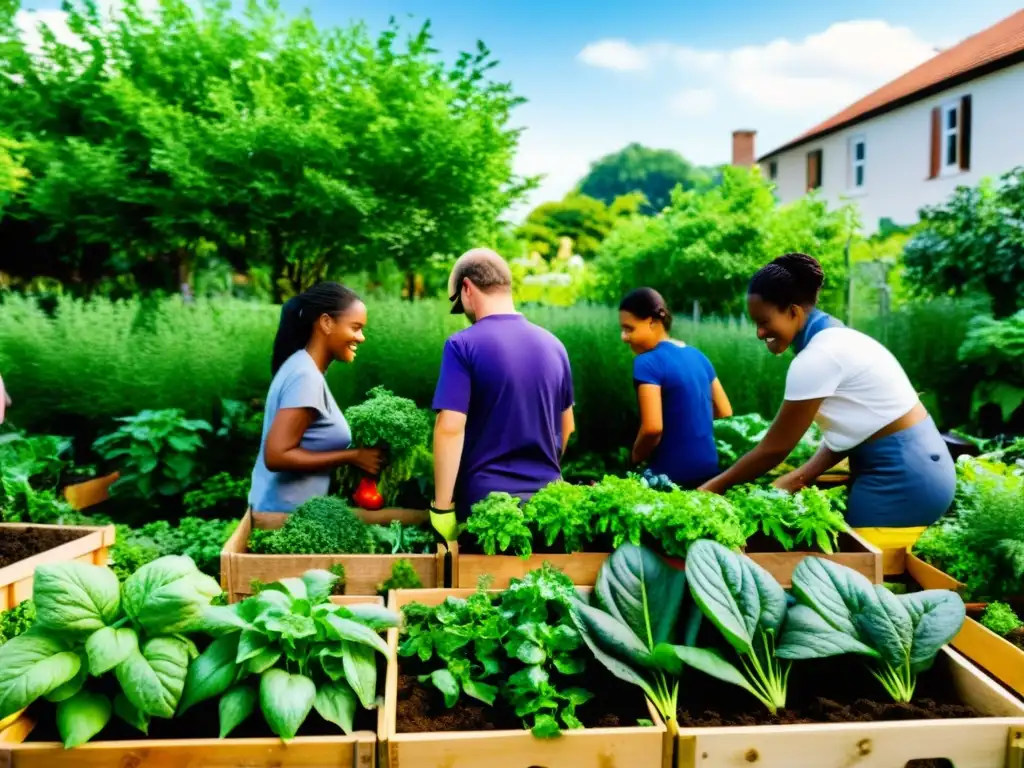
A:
x,y
826,70
615,54
694,102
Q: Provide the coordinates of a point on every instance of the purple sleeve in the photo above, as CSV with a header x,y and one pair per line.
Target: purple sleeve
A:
x,y
568,396
453,384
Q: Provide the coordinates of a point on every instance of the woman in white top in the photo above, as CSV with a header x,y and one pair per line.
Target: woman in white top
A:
x,y
857,392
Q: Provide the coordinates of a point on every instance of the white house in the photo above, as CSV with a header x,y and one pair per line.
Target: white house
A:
x,y
951,121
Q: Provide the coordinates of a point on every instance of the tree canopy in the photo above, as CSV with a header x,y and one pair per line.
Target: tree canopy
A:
x,y
157,141
652,172
707,244
586,221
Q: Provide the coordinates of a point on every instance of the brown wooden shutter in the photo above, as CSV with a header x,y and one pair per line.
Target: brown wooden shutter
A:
x,y
936,153
813,170
965,133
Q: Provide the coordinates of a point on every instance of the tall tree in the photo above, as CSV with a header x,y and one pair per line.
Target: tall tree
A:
x,y
157,140
586,221
652,172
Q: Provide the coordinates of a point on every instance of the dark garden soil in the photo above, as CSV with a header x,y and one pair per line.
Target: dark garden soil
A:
x,y
19,544
200,722
838,690
421,708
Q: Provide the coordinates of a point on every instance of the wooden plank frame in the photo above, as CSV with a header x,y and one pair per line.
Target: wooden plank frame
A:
x,y
239,567
358,750
855,552
986,742
930,577
636,747
581,567
16,578
91,492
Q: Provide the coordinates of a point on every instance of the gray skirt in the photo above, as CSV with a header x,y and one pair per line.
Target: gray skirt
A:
x,y
903,480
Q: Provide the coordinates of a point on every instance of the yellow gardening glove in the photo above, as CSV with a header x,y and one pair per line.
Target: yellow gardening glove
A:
x,y
444,522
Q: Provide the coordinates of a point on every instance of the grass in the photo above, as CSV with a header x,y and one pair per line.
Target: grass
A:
x,y
72,370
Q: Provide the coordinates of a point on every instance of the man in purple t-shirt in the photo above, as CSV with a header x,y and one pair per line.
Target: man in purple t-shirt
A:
x,y
504,397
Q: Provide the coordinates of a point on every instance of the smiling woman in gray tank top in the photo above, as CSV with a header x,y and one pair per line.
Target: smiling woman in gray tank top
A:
x,y
305,435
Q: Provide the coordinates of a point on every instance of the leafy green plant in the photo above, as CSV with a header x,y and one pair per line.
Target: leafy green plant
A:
x,y
839,611
748,607
291,650
520,645
996,349
680,518
31,467
738,435
17,620
201,540
630,619
220,495
811,518
395,424
399,539
618,507
1001,618
403,576
321,526
88,625
499,525
557,513
156,452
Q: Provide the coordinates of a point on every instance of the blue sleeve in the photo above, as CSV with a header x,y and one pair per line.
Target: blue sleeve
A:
x,y
647,369
453,383
709,369
305,388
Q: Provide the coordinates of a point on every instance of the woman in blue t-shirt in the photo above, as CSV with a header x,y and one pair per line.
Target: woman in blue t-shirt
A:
x,y
678,392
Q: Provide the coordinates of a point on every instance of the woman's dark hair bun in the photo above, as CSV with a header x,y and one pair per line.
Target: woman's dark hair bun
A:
x,y
647,304
793,278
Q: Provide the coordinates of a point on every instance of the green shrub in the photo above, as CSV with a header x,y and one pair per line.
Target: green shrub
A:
x,y
1001,618
106,362
323,525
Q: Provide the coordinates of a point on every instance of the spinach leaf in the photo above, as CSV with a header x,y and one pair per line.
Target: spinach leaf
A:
x,y
82,716
108,647
840,611
748,607
153,676
168,595
286,700
31,666
633,610
212,673
235,707
131,714
75,597
336,703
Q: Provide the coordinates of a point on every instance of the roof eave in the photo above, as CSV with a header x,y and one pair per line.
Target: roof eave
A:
x,y
960,78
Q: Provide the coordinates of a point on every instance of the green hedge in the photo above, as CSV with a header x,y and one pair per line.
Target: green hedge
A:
x,y
73,369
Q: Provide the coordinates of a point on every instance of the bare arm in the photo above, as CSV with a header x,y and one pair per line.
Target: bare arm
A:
x,y
449,438
792,421
720,405
821,462
568,427
651,427
282,452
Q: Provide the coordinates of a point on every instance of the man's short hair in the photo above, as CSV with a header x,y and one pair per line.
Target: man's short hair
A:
x,y
483,268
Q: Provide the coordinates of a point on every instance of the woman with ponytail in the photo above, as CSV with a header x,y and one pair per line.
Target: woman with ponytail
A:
x,y
305,435
852,386
678,392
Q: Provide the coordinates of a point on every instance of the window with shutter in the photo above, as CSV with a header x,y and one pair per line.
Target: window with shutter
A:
x,y
965,133
814,169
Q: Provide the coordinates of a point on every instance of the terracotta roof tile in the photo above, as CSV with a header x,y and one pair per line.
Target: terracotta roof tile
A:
x,y
999,41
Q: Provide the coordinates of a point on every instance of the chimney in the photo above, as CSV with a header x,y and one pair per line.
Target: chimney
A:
x,y
743,148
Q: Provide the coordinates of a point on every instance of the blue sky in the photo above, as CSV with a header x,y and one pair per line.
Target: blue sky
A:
x,y
674,73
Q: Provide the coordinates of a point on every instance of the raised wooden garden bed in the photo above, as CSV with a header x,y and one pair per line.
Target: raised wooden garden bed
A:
x,y
581,567
994,740
635,747
928,576
855,552
90,492
239,567
358,750
90,546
